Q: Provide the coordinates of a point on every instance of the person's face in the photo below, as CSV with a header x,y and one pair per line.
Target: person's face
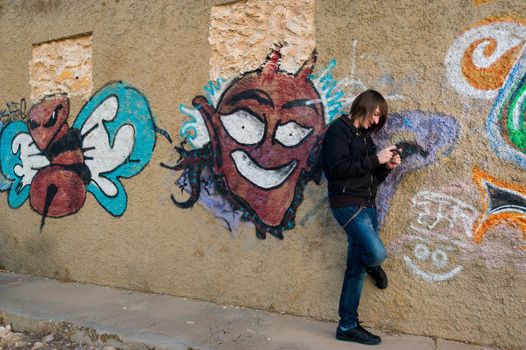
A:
x,y
372,119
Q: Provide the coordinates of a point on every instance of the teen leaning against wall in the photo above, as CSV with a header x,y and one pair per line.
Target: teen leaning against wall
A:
x,y
354,169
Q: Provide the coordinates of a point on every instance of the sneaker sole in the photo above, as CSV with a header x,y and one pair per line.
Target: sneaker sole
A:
x,y
381,286
343,338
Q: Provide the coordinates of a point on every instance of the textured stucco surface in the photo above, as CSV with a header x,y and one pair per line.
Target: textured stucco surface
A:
x,y
62,66
242,32
165,49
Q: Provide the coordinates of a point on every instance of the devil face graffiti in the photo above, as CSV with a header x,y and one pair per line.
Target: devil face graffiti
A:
x,y
265,133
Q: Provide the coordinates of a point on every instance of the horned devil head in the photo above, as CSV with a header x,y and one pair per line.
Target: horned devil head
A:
x,y
265,134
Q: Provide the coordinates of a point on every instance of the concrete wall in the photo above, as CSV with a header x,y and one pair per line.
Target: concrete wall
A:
x,y
453,215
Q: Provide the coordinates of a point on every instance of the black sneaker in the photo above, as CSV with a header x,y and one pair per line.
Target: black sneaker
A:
x,y
378,275
358,334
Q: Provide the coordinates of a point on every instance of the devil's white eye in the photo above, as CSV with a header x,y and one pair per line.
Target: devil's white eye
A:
x,y
243,127
291,134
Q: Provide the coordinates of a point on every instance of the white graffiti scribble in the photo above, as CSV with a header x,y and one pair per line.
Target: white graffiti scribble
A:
x,y
430,276
436,208
442,222
355,86
439,236
430,257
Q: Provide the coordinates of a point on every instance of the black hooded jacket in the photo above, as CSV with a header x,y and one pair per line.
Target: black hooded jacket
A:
x,y
350,164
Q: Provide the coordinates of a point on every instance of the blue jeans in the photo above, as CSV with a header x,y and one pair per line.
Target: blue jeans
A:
x,y
365,249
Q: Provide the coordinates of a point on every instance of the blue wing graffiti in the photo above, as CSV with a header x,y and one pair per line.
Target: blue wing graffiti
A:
x,y
4,183
20,160
118,133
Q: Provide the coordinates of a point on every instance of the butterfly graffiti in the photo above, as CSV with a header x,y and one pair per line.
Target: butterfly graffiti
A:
x,y
55,165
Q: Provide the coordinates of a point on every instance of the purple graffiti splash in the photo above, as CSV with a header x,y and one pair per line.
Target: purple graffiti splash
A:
x,y
431,137
214,201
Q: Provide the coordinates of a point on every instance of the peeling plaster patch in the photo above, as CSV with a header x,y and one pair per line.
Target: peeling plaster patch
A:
x,y
62,66
242,32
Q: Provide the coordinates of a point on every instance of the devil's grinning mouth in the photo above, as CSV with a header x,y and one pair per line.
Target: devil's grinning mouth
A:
x,y
261,177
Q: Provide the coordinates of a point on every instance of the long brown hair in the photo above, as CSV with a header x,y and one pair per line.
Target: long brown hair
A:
x,y
365,104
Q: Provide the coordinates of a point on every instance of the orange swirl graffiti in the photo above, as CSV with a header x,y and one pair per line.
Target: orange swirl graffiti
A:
x,y
481,2
492,77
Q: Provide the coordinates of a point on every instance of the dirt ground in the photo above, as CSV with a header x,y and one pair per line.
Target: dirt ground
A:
x,y
9,340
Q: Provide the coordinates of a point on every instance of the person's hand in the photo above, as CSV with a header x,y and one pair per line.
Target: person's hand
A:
x,y
386,154
394,162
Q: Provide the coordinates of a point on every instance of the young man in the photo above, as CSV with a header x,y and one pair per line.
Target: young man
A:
x,y
354,169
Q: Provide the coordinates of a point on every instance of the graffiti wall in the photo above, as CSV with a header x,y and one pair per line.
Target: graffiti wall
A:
x,y
92,189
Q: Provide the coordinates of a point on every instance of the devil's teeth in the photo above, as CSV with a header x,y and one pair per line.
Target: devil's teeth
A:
x,y
261,177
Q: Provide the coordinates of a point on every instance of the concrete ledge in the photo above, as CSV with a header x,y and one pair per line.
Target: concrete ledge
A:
x,y
103,316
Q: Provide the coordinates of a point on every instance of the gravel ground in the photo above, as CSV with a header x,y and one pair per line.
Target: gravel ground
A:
x,y
10,340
